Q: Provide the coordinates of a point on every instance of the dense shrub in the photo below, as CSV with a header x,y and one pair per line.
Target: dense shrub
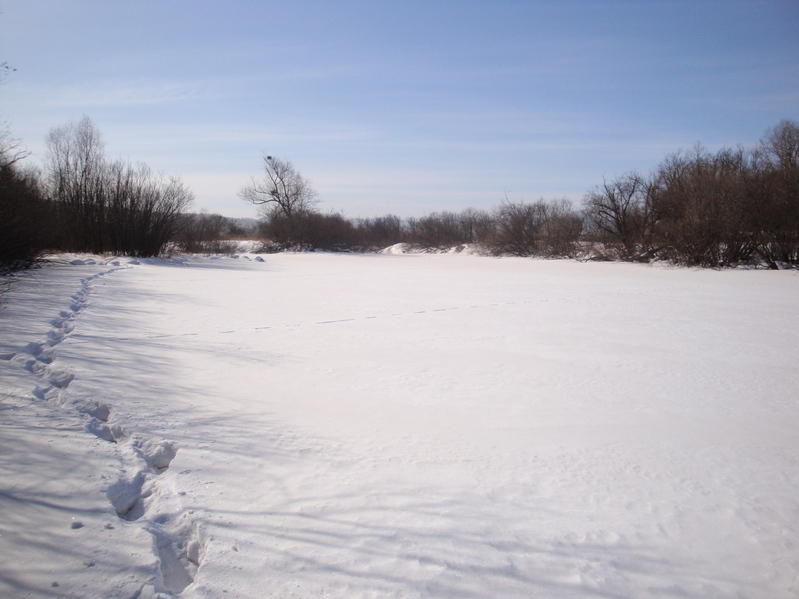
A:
x,y
25,218
107,206
706,209
550,229
620,215
777,215
438,230
705,204
381,232
206,234
26,223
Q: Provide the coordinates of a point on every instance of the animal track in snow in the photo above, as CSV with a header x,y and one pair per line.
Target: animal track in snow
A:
x,y
112,433
52,380
39,357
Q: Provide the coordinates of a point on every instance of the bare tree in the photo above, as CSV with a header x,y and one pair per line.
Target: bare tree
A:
x,y
24,216
382,231
707,204
77,172
620,212
438,230
782,142
779,209
519,228
477,225
284,195
562,228
143,210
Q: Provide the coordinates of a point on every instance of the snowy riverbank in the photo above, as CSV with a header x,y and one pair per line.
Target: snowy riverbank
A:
x,y
320,425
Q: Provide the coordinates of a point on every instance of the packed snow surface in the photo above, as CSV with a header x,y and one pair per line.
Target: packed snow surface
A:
x,y
399,425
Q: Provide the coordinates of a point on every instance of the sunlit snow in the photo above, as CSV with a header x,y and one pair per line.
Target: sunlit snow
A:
x,y
318,425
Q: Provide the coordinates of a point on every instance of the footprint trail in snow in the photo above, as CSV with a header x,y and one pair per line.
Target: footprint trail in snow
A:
x,y
136,496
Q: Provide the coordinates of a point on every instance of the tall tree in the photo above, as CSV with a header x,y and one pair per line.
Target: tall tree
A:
x,y
284,196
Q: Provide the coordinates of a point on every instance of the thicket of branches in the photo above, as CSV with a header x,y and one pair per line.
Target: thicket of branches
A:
x,y
24,210
83,202
210,234
289,220
109,206
706,209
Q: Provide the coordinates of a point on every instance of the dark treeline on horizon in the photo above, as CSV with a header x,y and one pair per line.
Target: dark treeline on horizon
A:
x,y
700,208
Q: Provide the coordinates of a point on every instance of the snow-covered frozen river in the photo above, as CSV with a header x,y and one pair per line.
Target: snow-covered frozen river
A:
x,y
318,425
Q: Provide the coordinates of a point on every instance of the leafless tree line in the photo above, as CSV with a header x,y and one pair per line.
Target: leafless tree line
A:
x,y
705,209
290,220
542,228
83,202
23,208
208,234
700,208
109,206
697,207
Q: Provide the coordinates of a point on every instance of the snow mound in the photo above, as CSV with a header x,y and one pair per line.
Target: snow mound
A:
x,y
397,249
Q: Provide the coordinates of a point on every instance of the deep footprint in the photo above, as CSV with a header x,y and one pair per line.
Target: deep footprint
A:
x,y
180,550
126,496
156,452
112,434
59,378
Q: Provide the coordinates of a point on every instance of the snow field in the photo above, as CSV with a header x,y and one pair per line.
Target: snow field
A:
x,y
400,426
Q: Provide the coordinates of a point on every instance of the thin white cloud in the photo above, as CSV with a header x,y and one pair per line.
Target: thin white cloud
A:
x,y
125,93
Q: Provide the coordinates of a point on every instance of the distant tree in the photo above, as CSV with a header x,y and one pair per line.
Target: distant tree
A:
x,y
562,228
707,206
542,228
447,229
620,213
382,231
477,226
205,233
332,232
11,149
519,228
284,197
143,211
437,230
782,142
778,212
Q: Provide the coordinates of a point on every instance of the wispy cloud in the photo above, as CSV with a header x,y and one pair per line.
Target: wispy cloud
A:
x,y
125,92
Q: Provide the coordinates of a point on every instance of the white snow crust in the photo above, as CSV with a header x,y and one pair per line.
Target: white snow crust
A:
x,y
398,425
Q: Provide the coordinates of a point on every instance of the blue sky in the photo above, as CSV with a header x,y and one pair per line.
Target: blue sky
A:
x,y
401,107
